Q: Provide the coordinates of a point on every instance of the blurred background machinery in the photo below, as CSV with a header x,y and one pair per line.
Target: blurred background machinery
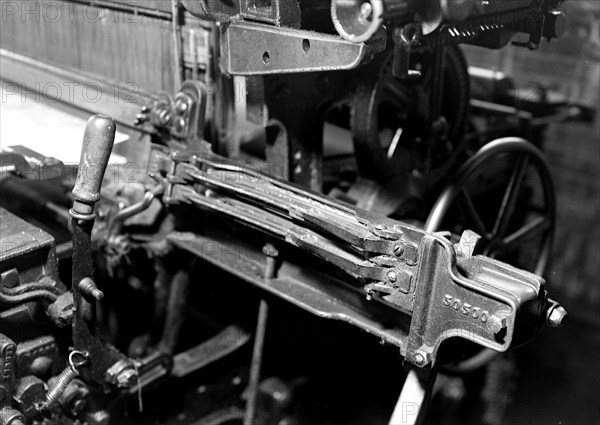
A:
x,y
114,57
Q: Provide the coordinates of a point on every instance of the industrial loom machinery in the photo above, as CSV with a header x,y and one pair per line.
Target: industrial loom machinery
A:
x,y
358,244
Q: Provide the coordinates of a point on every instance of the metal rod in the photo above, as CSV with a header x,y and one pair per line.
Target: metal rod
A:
x,y
194,50
255,366
414,400
178,73
134,9
271,253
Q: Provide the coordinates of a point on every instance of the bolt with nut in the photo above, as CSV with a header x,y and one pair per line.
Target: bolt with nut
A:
x,y
422,359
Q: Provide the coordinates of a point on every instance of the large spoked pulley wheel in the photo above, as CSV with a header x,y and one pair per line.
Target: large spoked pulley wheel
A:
x,y
505,194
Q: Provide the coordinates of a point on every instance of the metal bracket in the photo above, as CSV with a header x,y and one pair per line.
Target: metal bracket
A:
x,y
182,117
257,49
477,298
449,294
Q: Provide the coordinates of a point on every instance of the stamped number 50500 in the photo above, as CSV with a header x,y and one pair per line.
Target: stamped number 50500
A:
x,y
466,308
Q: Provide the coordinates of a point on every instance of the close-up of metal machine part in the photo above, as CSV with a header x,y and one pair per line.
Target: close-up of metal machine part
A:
x,y
367,233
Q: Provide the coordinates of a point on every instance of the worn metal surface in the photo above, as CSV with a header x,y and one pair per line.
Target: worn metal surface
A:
x,y
257,49
119,101
97,146
412,288
30,164
276,12
323,295
26,248
487,302
297,103
221,345
181,117
213,10
256,363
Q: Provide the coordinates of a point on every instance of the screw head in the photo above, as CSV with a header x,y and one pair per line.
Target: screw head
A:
x,y
398,250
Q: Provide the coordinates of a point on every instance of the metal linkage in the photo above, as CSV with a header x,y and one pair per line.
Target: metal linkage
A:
x,y
448,295
181,117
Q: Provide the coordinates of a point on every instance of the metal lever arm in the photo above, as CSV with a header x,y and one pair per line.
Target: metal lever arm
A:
x,y
97,146
369,234
447,293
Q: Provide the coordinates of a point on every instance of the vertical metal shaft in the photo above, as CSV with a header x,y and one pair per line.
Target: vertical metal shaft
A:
x,y
97,146
259,339
414,400
178,71
255,366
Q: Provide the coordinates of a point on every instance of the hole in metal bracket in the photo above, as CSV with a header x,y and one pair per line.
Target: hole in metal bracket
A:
x,y
306,45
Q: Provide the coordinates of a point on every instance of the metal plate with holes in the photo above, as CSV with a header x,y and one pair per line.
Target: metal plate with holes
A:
x,y
255,49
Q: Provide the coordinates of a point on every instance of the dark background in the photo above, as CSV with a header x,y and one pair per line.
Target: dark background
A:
x,y
559,380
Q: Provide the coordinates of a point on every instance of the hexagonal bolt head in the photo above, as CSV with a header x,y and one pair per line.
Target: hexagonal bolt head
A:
x,y
419,359
61,311
127,378
496,324
422,359
122,374
557,317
